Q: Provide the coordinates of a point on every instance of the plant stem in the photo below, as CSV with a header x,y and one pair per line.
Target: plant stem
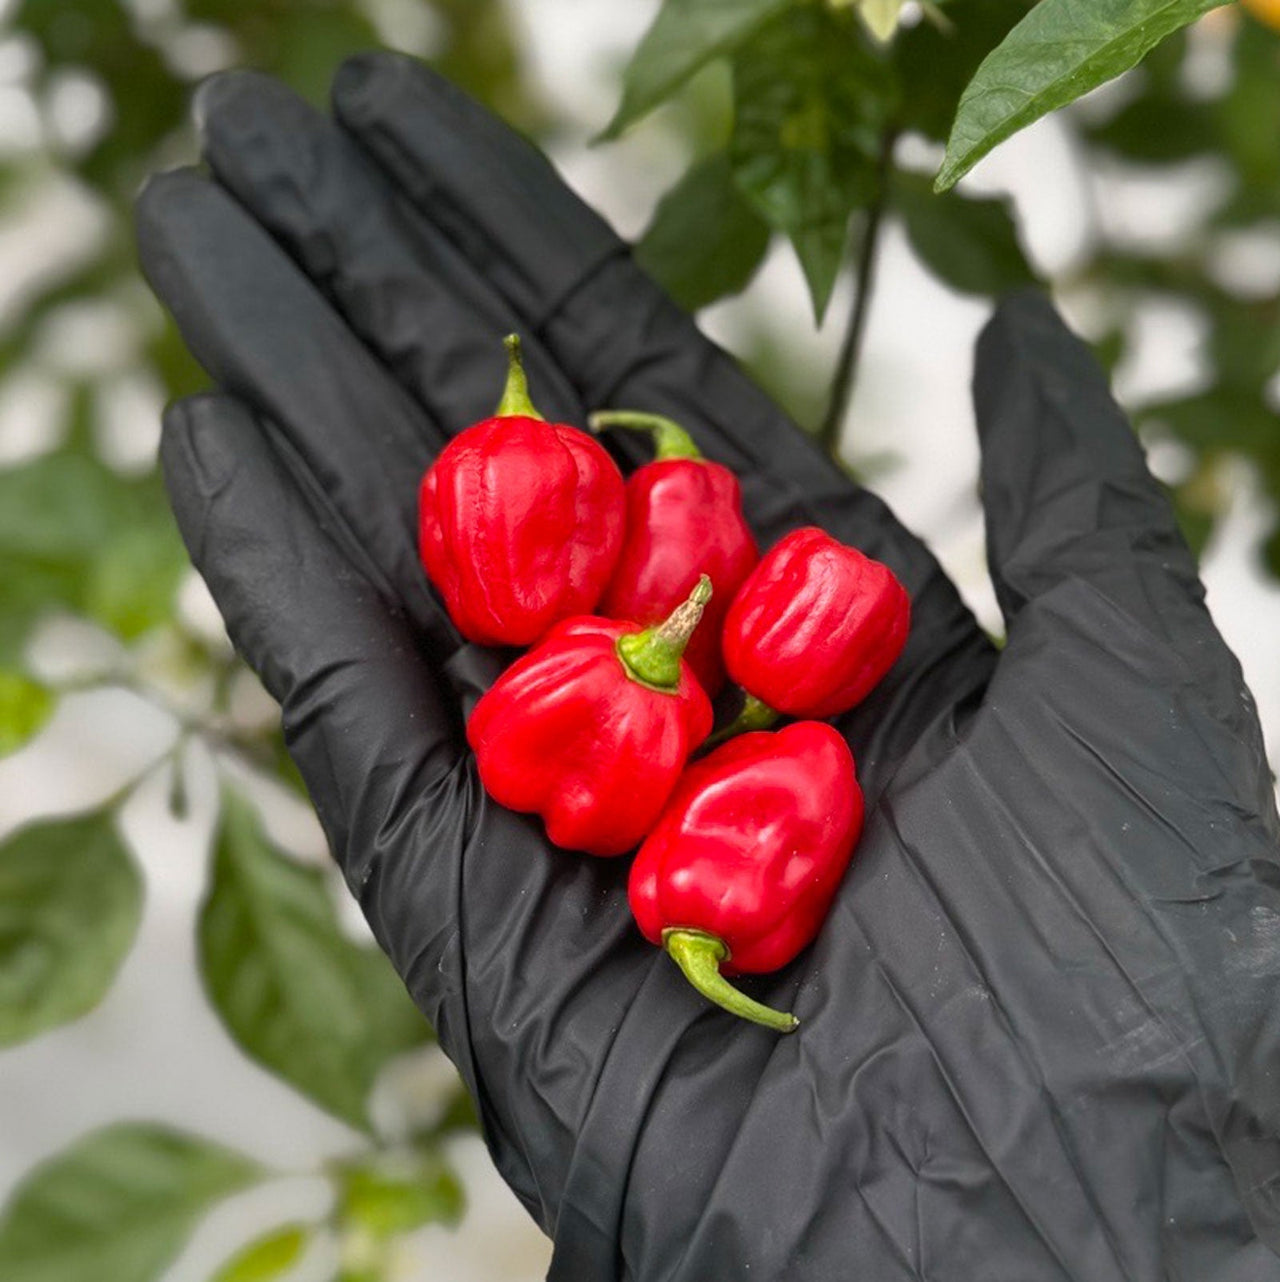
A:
x,y
851,345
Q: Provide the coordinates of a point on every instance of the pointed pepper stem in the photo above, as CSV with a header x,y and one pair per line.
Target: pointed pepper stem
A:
x,y
755,715
670,440
699,955
515,395
653,656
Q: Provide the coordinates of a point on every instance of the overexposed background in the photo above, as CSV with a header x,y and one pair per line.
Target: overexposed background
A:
x,y
154,1049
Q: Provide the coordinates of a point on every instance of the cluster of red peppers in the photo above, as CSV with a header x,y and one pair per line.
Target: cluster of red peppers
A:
x,y
525,528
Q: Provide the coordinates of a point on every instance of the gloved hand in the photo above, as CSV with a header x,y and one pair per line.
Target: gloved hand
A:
x,y
1041,1027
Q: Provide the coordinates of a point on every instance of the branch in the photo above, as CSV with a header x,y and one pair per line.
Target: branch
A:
x,y
851,345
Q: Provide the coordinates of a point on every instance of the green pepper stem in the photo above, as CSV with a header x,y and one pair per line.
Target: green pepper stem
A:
x,y
755,715
670,440
515,395
699,955
653,656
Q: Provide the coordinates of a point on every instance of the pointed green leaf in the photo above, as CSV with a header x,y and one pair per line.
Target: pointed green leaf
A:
x,y
70,901
1057,53
970,244
296,994
685,36
705,240
811,107
25,706
115,1207
268,1257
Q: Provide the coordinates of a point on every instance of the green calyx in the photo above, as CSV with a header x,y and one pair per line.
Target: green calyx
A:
x,y
515,395
699,955
670,440
755,715
653,656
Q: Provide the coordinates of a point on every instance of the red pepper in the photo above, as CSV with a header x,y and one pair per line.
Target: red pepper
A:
x,y
684,518
813,629
520,520
741,869
591,728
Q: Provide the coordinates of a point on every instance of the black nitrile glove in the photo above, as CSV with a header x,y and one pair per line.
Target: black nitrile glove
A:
x,y
1040,1030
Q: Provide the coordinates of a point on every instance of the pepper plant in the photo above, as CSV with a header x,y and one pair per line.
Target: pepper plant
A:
x,y
796,116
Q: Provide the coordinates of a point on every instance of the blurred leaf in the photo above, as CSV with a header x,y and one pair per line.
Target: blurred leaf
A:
x,y
971,244
148,101
268,1257
1056,54
705,240
1154,130
1249,113
1109,347
1245,343
459,1114
25,706
936,63
812,105
70,902
1195,522
135,575
295,993
1219,419
684,36
309,43
392,1194
115,1207
1271,553
75,535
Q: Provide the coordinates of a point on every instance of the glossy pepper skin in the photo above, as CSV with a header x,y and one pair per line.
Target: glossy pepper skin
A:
x,y
815,626
592,728
520,521
740,870
684,518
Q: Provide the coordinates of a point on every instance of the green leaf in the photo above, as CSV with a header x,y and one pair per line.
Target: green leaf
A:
x,y
686,35
812,104
1057,53
115,1207
398,1193
299,997
25,706
75,535
70,901
268,1257
970,244
705,240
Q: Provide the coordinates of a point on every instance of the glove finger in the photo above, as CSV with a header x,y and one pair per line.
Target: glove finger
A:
x,y
366,722
571,279
403,288
263,332
1078,530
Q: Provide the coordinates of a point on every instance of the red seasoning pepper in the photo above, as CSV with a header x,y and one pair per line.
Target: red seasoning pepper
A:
x,y
741,869
520,520
813,629
684,518
592,728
